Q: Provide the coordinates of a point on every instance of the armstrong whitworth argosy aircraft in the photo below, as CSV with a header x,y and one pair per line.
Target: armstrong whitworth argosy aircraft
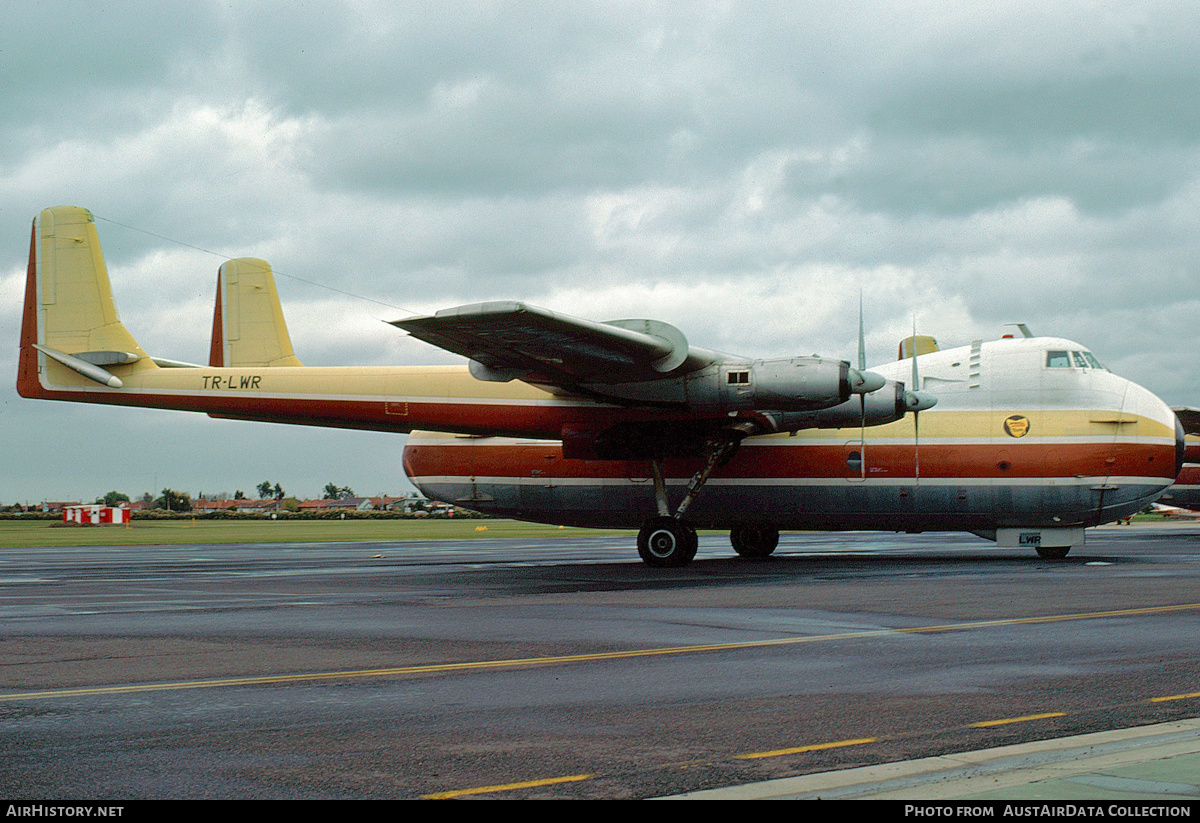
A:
x,y
1025,441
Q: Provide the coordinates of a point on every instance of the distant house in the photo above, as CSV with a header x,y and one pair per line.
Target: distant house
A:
x,y
209,506
227,505
55,506
391,504
314,506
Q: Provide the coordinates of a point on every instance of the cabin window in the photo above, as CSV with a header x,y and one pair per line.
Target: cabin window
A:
x,y
1058,360
739,378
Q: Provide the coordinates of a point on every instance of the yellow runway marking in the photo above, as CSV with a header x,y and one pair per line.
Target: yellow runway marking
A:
x,y
1168,697
986,724
506,787
558,660
815,747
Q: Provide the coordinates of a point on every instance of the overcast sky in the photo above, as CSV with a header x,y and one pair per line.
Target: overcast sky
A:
x,y
739,170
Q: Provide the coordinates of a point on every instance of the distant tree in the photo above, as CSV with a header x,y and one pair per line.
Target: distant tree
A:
x,y
264,489
174,501
336,492
113,499
239,495
278,492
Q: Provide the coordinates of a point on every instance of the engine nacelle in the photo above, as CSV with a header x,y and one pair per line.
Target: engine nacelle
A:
x,y
787,384
784,385
886,405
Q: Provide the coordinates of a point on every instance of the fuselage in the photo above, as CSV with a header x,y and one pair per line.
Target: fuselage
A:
x,y
1026,433
1185,491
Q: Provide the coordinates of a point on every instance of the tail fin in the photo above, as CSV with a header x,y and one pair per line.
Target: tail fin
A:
x,y
70,333
923,344
248,325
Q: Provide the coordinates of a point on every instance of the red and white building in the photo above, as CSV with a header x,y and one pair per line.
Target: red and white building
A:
x,y
95,514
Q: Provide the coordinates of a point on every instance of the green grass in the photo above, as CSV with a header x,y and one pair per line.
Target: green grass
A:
x,y
177,532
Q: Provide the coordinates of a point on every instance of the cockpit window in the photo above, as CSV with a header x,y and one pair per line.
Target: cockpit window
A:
x,y
1072,359
1058,360
1092,361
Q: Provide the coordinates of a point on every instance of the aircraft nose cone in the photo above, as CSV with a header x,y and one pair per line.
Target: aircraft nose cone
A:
x,y
865,382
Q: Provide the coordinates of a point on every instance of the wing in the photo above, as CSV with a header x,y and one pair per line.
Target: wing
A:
x,y
507,340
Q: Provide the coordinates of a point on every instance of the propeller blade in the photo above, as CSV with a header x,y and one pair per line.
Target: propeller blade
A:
x,y
861,380
862,397
916,380
916,390
917,401
917,446
862,343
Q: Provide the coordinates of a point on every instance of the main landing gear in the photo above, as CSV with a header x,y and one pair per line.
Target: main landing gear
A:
x,y
665,541
754,541
669,540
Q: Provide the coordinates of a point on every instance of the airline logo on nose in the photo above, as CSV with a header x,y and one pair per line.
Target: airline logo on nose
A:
x,y
1017,425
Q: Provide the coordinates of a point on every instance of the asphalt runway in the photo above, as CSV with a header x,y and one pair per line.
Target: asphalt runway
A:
x,y
565,668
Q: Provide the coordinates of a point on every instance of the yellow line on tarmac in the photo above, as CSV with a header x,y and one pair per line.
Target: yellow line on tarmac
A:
x,y
1165,698
506,787
815,747
478,665
984,724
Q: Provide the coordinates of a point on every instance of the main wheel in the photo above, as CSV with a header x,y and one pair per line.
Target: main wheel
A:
x,y
665,541
754,541
1053,552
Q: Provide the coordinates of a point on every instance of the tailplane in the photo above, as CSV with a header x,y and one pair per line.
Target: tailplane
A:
x,y
248,324
71,336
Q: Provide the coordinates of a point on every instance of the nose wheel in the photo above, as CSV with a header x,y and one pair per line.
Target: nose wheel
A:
x,y
666,542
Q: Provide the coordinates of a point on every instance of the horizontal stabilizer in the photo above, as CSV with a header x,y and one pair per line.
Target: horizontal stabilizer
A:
x,y
70,329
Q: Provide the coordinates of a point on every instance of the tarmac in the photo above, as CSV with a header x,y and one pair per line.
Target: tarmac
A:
x,y
1159,762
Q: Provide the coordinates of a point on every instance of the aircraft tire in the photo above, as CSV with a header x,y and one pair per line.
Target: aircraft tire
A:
x,y
1053,552
754,541
665,542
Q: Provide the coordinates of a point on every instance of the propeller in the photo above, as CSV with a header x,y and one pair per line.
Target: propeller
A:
x,y
917,401
863,382
862,398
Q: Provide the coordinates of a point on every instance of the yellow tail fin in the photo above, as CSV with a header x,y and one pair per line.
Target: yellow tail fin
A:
x,y
248,325
70,333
